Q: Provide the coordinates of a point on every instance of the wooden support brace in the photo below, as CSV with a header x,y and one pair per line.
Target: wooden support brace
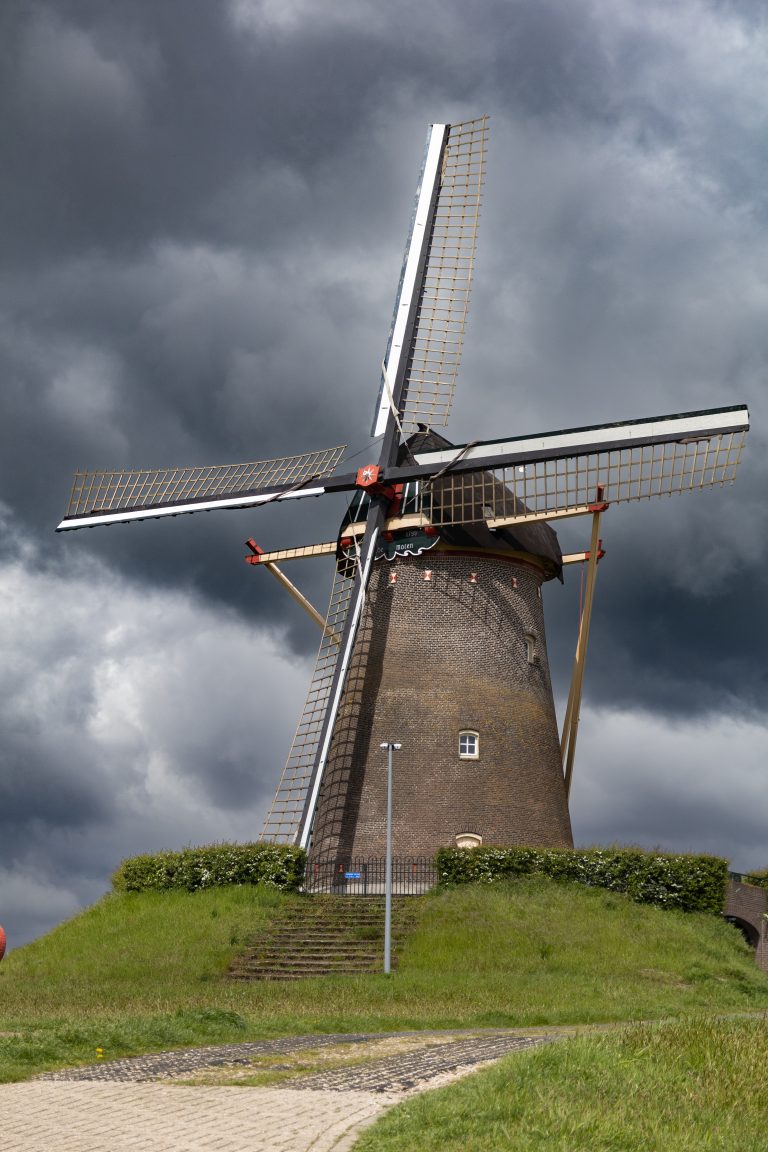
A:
x,y
393,524
260,557
537,517
280,555
419,520
580,557
573,708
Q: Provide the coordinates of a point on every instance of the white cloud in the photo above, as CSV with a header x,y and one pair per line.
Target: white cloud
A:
x,y
133,720
35,900
83,390
65,76
297,16
693,785
702,60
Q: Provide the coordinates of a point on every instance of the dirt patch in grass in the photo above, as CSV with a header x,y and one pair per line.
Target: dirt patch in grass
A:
x,y
263,1071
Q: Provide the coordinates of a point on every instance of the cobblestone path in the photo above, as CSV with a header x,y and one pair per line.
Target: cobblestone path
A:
x,y
134,1105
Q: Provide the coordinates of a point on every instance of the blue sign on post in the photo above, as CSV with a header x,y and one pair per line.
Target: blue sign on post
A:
x,y
352,875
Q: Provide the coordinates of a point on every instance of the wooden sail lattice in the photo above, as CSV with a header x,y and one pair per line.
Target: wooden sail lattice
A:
x,y
94,492
558,486
284,817
436,344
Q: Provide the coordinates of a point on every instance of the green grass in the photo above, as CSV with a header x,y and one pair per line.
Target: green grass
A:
x,y
679,1087
143,972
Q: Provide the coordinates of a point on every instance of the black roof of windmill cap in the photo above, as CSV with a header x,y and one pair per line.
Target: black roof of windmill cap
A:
x,y
537,539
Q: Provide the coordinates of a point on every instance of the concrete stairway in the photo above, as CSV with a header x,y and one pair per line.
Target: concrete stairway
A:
x,y
325,936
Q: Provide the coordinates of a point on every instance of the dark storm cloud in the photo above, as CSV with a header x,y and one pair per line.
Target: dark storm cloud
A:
x,y
204,207
33,788
679,618
132,122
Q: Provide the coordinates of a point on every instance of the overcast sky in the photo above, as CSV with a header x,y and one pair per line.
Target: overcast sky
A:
x,y
203,209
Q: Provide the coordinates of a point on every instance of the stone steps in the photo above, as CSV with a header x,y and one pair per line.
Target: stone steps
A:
x,y
325,936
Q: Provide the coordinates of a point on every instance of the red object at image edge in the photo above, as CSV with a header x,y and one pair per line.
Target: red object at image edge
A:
x,y
2,942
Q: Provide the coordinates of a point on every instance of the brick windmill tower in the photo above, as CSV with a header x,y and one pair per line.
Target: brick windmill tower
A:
x,y
451,660
434,636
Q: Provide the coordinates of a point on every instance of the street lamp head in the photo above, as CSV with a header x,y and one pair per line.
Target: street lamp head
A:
x,y
390,744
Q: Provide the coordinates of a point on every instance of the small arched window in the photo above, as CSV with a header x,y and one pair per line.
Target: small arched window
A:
x,y
530,647
469,745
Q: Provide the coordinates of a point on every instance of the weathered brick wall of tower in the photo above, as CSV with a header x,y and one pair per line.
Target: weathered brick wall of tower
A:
x,y
435,657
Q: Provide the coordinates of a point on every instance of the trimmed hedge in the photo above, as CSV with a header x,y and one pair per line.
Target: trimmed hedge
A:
x,y
279,865
690,883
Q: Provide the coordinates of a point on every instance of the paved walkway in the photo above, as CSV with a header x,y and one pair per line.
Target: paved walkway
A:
x,y
134,1105
72,1117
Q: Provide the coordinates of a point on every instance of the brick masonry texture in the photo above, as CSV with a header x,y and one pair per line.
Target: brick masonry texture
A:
x,y
432,658
748,906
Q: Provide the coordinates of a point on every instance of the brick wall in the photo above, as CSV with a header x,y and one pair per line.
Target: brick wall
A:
x,y
434,657
747,905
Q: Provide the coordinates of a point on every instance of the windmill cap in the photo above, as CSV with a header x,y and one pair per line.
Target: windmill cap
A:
x,y
537,539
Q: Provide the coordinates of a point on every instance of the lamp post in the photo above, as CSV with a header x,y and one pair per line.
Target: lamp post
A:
x,y
390,747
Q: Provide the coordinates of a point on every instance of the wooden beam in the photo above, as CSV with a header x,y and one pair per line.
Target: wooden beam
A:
x,y
573,708
280,555
537,517
575,558
394,524
419,520
580,557
301,599
267,559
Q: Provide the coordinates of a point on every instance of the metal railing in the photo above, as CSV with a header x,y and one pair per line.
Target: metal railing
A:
x,y
754,879
411,876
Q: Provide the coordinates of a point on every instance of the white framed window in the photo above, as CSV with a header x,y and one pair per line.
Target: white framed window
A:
x,y
469,745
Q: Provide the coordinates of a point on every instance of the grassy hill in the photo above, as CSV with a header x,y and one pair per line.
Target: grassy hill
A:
x,y
142,972
680,1086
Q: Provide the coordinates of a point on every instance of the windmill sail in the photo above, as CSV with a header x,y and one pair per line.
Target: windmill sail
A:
x,y
284,817
557,474
117,497
422,356
438,333
426,337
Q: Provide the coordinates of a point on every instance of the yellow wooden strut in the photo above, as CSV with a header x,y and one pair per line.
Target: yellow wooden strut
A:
x,y
573,708
259,557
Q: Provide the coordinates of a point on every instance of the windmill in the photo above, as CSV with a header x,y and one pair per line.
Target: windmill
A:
x,y
434,635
